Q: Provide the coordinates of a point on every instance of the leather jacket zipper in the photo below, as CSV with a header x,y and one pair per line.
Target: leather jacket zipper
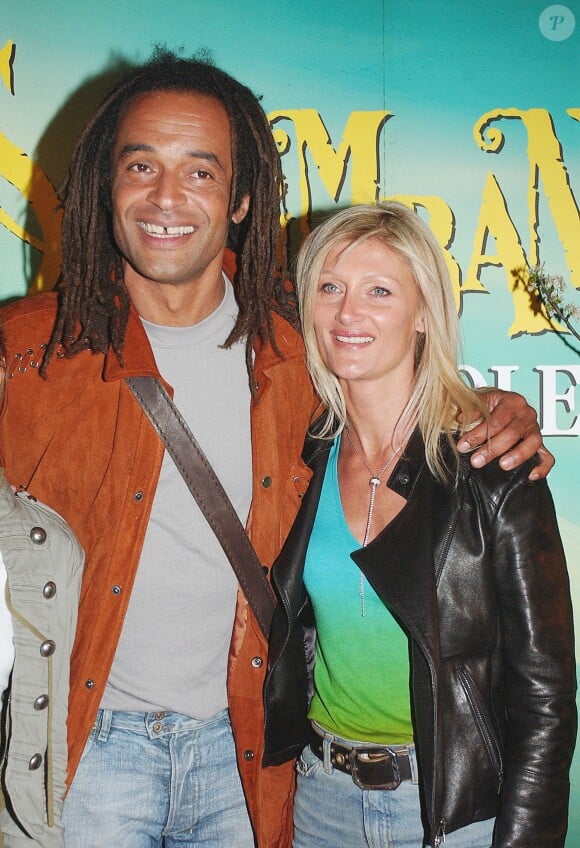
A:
x,y
440,835
445,545
481,719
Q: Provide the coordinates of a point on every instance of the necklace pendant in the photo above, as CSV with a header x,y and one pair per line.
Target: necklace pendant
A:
x,y
374,482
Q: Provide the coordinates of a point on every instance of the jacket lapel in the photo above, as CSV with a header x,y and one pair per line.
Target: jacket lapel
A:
x,y
400,563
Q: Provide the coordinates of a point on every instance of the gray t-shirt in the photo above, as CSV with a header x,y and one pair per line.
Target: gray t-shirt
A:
x,y
173,650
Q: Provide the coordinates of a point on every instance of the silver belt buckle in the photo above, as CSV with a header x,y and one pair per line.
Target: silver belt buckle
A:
x,y
363,761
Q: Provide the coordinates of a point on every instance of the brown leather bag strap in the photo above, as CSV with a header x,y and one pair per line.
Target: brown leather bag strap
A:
x,y
209,494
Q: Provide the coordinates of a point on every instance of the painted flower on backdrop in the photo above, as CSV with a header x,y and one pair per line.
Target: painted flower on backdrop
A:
x,y
548,295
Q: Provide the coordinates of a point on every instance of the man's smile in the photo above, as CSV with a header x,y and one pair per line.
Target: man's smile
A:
x,y
158,231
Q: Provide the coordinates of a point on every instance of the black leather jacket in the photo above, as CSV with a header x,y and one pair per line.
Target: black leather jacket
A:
x,y
475,572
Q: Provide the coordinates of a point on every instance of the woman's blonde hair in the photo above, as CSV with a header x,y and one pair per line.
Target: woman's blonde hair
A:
x,y
440,401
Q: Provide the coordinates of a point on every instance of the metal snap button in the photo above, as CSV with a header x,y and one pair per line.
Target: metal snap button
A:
x,y
266,482
47,648
257,662
116,590
41,703
90,684
49,590
138,496
38,535
35,762
248,755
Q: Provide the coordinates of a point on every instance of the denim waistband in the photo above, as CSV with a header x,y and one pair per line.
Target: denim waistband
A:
x,y
358,743
153,724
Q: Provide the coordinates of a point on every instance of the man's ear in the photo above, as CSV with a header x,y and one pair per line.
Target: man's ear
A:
x,y
240,213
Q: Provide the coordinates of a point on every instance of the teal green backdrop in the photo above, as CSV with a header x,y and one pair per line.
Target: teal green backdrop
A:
x,y
470,112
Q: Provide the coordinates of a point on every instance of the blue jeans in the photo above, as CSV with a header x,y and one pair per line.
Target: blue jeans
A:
x,y
330,811
148,780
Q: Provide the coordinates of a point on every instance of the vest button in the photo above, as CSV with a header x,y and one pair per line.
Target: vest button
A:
x,y
35,762
257,662
38,535
266,482
248,755
49,590
47,648
41,703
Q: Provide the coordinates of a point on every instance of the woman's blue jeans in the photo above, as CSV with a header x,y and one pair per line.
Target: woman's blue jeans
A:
x,y
148,780
330,811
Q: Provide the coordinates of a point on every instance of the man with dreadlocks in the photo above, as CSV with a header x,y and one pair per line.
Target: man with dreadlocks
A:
x,y
178,162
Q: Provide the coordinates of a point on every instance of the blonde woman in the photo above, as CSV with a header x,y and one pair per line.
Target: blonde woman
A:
x,y
422,652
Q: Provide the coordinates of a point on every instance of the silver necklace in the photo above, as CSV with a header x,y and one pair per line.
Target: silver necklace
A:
x,y
374,483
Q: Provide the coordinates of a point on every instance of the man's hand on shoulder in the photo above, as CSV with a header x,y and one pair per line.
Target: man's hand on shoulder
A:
x,y
513,434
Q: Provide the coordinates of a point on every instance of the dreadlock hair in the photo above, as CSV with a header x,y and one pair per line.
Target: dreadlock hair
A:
x,y
93,302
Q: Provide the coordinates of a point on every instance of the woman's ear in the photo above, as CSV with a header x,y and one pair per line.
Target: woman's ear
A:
x,y
419,321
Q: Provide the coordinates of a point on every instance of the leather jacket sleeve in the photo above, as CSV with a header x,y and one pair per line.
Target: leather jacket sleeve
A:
x,y
538,667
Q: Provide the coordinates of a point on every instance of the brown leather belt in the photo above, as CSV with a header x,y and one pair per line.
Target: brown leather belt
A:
x,y
371,767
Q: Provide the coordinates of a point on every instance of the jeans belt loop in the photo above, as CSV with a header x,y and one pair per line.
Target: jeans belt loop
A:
x,y
105,719
327,741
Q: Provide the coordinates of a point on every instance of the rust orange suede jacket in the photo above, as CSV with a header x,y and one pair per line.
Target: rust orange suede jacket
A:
x,y
80,442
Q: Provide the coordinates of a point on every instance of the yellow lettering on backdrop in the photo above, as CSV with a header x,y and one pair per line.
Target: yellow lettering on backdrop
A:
x,y
545,159
7,55
359,146
494,220
32,182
